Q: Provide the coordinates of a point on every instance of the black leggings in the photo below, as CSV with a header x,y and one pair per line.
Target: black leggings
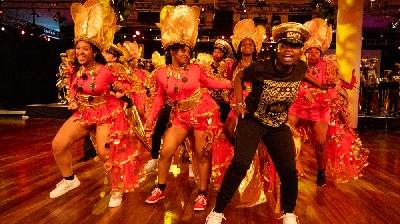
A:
x,y
159,130
280,147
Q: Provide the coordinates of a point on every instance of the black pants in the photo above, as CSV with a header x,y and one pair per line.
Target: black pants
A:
x,y
159,130
88,148
224,109
280,147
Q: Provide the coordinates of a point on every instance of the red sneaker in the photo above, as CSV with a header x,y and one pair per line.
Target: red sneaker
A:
x,y
156,195
200,203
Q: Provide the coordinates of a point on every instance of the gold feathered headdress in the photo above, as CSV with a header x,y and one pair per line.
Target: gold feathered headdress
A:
x,y
134,50
321,34
224,46
179,25
246,29
94,22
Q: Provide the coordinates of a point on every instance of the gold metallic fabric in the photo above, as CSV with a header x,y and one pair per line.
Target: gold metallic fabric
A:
x,y
180,25
246,29
190,103
321,34
94,22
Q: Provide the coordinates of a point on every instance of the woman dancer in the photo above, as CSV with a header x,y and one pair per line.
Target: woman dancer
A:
x,y
192,107
96,109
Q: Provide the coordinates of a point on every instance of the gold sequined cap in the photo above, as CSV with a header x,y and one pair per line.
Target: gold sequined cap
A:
x,y
291,32
94,23
246,29
115,50
321,34
373,59
180,25
224,46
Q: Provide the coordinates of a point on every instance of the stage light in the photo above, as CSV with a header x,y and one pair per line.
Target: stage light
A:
x,y
134,35
23,32
2,28
58,18
124,36
222,37
137,32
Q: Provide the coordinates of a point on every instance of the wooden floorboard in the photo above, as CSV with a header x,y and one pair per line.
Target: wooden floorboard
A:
x,y
28,173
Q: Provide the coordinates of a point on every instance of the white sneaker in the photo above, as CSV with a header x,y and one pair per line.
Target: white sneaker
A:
x,y
215,218
151,165
289,218
64,186
115,200
191,174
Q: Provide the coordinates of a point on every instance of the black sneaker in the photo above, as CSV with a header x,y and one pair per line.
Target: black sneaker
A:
x,y
321,180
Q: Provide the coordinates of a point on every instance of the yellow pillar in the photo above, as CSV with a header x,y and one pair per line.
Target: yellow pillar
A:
x,y
348,48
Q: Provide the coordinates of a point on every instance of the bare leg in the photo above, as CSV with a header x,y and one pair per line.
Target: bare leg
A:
x,y
68,134
318,140
102,137
204,160
173,138
293,121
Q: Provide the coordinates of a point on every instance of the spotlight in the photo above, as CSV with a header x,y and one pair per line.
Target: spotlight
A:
x,y
137,32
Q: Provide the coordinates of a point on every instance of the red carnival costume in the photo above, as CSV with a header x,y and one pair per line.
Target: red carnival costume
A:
x,y
346,155
90,93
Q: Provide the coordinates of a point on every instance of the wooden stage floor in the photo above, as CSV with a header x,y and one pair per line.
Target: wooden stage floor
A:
x,y
28,173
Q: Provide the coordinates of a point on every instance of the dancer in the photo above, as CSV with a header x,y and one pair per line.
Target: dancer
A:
x,y
346,156
96,109
222,71
247,42
193,108
312,103
274,87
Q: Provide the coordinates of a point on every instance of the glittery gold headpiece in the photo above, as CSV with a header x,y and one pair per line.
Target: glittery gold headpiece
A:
x,y
134,50
321,34
157,60
364,60
179,25
94,23
204,59
291,32
373,60
246,29
224,46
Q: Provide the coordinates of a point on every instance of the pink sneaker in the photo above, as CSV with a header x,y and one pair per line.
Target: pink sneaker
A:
x,y
200,203
156,195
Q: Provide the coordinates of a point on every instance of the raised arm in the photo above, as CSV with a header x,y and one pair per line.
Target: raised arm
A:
x,y
240,105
